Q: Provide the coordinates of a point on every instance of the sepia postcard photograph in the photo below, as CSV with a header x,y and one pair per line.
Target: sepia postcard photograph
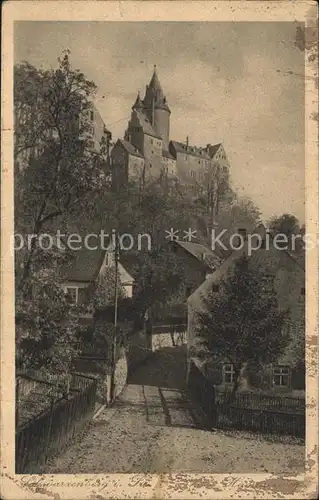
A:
x,y
159,263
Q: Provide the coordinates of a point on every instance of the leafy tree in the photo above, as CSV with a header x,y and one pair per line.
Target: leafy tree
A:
x,y
57,171
159,276
45,328
286,224
243,324
58,177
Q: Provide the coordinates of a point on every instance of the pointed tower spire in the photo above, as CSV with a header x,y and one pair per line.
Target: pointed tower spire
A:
x,y
155,83
138,103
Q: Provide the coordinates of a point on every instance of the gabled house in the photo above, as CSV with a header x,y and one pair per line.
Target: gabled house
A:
x,y
286,275
79,278
199,262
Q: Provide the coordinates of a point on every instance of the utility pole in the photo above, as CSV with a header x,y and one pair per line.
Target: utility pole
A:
x,y
116,257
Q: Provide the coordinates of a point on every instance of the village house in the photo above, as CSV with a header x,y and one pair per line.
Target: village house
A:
x,y
78,279
199,262
286,275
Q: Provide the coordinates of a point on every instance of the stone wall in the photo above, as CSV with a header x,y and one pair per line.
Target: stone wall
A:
x,y
162,339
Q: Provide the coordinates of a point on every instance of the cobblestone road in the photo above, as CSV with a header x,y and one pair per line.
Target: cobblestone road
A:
x,y
154,428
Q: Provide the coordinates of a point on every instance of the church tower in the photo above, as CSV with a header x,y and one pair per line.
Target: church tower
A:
x,y
157,110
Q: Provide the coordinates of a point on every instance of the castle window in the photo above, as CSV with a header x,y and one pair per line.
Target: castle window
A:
x,y
91,116
303,291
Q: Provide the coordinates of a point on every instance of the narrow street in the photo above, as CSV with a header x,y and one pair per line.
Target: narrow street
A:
x,y
153,428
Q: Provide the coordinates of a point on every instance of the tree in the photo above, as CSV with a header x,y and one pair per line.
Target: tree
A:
x,y
58,176
159,276
45,328
286,224
57,171
242,324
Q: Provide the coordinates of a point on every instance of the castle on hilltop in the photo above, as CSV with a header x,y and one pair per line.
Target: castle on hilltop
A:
x,y
147,153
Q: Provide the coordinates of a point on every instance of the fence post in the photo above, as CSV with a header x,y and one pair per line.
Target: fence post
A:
x,y
49,427
17,402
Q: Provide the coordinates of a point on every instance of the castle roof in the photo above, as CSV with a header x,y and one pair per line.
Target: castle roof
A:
x,y
138,103
155,83
129,148
167,154
212,150
154,94
145,124
180,147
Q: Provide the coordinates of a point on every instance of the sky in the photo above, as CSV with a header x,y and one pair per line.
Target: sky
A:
x,y
237,83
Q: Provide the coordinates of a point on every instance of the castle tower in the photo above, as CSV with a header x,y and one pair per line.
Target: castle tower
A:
x,y
138,103
157,110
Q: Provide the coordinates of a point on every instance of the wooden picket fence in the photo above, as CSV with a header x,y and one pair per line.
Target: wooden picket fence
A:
x,y
256,412
49,433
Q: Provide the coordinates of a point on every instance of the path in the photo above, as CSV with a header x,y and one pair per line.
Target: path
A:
x,y
153,428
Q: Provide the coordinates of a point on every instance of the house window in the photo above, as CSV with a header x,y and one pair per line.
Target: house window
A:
x,y
188,291
303,291
215,288
91,116
228,373
72,294
268,283
281,376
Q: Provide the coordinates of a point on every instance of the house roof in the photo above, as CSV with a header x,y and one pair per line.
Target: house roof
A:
x,y
85,266
196,300
201,253
190,150
146,124
132,150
